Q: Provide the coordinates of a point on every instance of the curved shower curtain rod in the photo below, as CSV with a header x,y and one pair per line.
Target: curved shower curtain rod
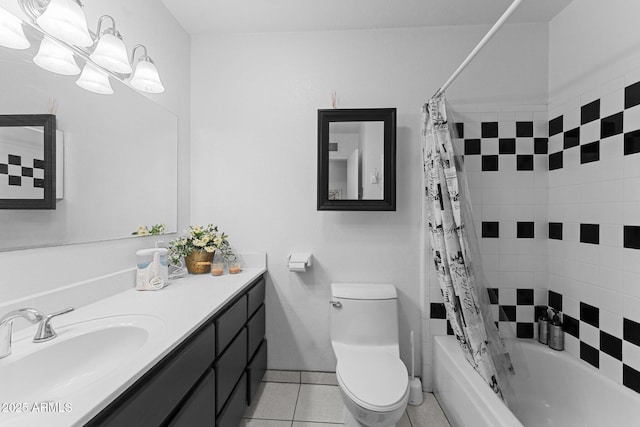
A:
x,y
480,45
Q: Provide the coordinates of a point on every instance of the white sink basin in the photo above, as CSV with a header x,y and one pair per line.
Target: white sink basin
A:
x,y
82,354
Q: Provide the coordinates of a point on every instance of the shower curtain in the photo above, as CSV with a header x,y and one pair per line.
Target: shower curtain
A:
x,y
454,251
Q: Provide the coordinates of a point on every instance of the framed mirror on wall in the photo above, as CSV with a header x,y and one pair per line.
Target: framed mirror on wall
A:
x,y
120,155
28,161
357,159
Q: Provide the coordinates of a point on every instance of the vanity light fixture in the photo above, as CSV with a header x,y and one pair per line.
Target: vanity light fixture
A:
x,y
94,80
145,76
56,58
110,52
63,19
11,32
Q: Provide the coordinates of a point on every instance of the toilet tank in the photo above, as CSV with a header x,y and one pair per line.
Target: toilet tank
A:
x,y
367,314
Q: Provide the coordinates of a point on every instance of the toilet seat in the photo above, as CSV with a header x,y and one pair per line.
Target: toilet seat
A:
x,y
374,379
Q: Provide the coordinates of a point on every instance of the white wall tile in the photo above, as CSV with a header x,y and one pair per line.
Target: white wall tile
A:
x,y
612,302
489,146
472,128
631,120
572,345
611,257
555,143
631,260
524,145
590,132
591,213
611,279
611,191
631,190
590,335
508,230
631,284
631,165
491,116
613,85
508,263
632,309
524,116
612,103
590,96
507,117
611,323
589,275
611,235
631,213
631,355
571,113
506,129
613,213
571,232
612,147
611,367
507,163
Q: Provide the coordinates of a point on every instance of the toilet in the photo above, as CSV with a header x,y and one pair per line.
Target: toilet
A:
x,y
373,381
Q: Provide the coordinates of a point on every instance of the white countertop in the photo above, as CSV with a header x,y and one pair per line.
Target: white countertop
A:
x,y
182,306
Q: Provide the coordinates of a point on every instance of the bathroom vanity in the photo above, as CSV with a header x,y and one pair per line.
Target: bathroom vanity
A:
x,y
208,379
191,354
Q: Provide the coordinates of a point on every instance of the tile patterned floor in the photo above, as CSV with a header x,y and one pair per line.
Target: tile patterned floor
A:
x,y
312,399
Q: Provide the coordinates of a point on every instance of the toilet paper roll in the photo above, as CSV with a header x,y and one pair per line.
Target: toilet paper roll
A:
x,y
297,266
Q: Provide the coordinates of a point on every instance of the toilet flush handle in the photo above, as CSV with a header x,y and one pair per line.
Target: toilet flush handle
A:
x,y
336,304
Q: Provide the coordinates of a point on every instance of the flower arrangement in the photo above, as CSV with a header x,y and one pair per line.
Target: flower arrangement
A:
x,y
206,238
144,230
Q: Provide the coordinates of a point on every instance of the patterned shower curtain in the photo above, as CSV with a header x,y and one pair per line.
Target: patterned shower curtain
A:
x,y
451,253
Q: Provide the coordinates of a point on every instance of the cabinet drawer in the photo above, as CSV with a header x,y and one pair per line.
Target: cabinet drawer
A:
x,y
255,371
150,400
229,323
256,329
256,296
198,410
233,412
229,367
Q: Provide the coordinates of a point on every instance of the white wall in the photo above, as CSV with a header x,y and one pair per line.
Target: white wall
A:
x,y
148,22
254,130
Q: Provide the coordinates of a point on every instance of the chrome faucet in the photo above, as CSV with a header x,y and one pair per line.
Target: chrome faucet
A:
x,y
44,333
6,326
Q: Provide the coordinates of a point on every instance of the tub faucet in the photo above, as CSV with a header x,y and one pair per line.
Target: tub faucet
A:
x,y
6,326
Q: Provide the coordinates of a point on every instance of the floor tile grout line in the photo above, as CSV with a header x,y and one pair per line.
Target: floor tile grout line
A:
x,y
295,407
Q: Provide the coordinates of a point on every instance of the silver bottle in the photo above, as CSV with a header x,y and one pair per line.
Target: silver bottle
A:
x,y
556,335
543,328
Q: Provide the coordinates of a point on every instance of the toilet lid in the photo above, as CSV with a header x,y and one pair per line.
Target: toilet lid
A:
x,y
375,380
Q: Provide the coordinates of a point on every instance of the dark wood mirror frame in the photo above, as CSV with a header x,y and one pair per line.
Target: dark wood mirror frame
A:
x,y
386,115
48,122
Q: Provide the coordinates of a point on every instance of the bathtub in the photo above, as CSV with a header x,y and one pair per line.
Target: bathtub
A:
x,y
550,388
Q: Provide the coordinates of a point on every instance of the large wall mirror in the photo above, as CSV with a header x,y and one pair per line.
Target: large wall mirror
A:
x,y
119,160
357,159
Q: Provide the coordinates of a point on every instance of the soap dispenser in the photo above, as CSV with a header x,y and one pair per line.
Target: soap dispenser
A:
x,y
556,335
543,326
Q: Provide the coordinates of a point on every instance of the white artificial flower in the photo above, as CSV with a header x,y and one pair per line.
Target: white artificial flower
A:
x,y
210,249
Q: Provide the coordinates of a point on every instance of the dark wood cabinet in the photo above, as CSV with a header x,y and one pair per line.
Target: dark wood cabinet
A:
x,y
208,379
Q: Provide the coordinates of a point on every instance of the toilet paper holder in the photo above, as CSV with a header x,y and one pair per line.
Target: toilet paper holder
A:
x,y
299,261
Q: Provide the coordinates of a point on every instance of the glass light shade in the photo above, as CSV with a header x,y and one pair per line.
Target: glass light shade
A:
x,y
11,32
146,78
55,58
111,54
65,20
94,80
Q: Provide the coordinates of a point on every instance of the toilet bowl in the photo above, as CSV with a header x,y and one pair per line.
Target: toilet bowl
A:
x,y
373,381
